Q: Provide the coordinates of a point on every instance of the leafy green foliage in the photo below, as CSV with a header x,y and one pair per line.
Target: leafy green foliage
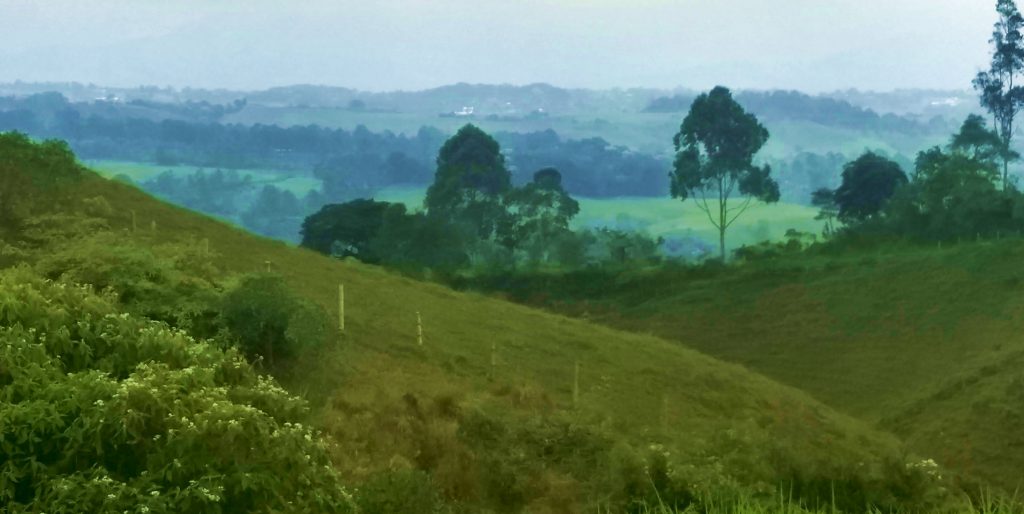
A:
x,y
868,183
275,213
952,194
346,230
715,147
1004,99
102,411
215,192
173,283
269,320
539,215
976,141
415,241
32,175
825,200
399,492
470,181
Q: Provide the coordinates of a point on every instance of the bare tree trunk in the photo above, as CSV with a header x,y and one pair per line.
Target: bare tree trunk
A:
x,y
722,215
1006,171
721,241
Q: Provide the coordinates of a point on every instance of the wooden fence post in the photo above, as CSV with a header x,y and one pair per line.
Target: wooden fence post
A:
x,y
494,357
341,307
576,386
664,412
419,328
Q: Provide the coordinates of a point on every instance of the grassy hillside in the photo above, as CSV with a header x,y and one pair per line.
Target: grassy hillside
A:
x,y
508,408
923,341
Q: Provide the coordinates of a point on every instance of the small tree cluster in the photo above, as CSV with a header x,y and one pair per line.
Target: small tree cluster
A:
x,y
473,216
32,175
953,193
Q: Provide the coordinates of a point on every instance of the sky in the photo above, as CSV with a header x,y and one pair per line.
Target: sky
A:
x,y
383,45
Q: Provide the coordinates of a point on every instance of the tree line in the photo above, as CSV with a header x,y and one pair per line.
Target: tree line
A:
x,y
473,217
349,162
961,190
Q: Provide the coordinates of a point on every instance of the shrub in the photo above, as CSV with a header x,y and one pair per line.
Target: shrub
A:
x,y
399,492
102,411
171,283
268,320
32,175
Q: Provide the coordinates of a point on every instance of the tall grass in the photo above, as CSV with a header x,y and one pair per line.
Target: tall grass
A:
x,y
988,503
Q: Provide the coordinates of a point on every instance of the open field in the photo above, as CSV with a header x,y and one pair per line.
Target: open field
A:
x,y
658,217
669,218
289,180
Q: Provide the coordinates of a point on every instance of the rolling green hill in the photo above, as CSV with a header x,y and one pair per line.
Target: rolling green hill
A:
x,y
507,407
925,342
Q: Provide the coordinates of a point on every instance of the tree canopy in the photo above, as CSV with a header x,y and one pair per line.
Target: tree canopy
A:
x,y
31,175
715,148
346,229
470,180
999,93
539,214
868,183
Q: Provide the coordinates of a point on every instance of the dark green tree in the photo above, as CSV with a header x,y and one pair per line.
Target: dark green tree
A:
x,y
868,183
715,148
470,182
415,241
539,213
956,191
976,141
32,175
275,213
1000,95
825,200
346,229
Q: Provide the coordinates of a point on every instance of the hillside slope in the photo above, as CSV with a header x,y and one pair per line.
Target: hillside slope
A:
x,y
920,340
517,408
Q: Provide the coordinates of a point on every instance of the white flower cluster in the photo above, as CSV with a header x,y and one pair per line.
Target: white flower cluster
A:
x,y
928,466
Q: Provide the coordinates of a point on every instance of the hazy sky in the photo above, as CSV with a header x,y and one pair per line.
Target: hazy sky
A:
x,y
812,45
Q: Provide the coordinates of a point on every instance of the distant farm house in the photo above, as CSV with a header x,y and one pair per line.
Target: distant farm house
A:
x,y
465,112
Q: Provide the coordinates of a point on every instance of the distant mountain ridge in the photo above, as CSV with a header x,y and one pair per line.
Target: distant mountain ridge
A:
x,y
494,98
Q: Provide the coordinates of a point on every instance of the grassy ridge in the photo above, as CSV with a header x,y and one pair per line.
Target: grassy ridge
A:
x,y
924,341
388,400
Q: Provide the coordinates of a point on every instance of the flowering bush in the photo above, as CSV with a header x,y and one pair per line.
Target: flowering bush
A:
x,y
102,411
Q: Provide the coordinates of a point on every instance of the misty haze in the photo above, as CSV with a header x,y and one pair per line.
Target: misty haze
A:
x,y
542,256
